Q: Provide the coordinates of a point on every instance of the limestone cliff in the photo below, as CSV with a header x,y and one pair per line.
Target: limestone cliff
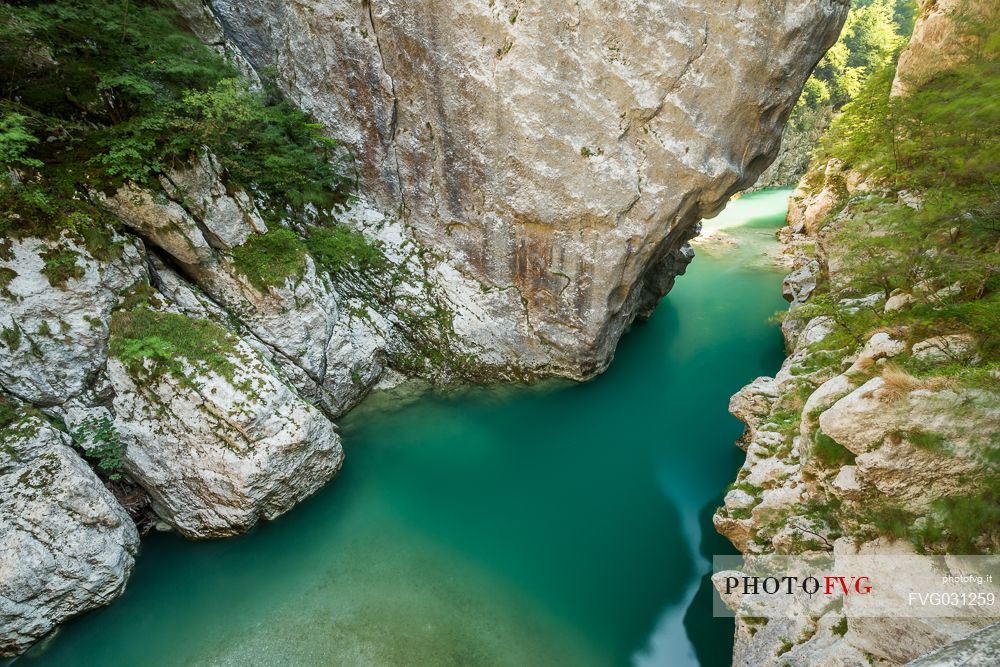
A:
x,y
938,41
555,155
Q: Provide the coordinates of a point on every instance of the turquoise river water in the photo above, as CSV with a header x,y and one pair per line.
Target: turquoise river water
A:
x,y
556,525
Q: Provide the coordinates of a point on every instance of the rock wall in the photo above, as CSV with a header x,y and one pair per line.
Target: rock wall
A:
x,y
838,436
559,153
940,39
847,452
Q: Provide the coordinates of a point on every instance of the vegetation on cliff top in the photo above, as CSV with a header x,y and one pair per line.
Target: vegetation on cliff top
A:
x,y
926,226
874,32
98,94
935,229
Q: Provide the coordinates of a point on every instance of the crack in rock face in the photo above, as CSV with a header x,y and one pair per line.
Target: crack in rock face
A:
x,y
562,149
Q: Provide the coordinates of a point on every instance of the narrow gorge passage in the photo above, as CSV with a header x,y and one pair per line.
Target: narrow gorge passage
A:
x,y
565,524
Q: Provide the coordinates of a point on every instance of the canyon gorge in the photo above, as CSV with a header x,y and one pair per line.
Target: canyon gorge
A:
x,y
457,193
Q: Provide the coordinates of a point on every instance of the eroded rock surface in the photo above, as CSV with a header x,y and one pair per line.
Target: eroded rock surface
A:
x,y
219,448
66,545
55,335
558,153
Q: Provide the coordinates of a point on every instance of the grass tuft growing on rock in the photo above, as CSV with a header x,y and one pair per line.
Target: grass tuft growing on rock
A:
x,y
338,247
151,343
9,413
6,276
11,337
928,440
267,260
60,266
897,382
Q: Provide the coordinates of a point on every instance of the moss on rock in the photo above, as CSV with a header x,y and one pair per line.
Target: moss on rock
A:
x,y
151,343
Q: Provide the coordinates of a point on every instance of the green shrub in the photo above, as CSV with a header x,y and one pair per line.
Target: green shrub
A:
x,y
840,629
122,93
269,259
938,141
968,524
144,337
99,441
824,511
890,521
264,143
15,140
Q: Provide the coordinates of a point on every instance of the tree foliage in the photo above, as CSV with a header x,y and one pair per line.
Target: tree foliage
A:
x,y
99,93
874,32
934,231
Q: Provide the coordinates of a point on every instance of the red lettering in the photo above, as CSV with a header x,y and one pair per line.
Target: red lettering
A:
x,y
831,585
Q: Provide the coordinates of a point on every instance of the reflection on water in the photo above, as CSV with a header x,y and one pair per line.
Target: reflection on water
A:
x,y
568,524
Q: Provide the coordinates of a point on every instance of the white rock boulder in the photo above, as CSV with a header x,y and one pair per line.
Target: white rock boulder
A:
x,y
54,336
66,545
218,447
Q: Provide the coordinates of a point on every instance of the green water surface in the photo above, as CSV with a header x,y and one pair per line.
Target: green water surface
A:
x,y
557,525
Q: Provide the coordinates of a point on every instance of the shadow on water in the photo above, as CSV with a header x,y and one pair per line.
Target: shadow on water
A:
x,y
569,524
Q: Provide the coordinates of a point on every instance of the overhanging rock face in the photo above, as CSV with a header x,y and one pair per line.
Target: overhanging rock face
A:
x,y
555,154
